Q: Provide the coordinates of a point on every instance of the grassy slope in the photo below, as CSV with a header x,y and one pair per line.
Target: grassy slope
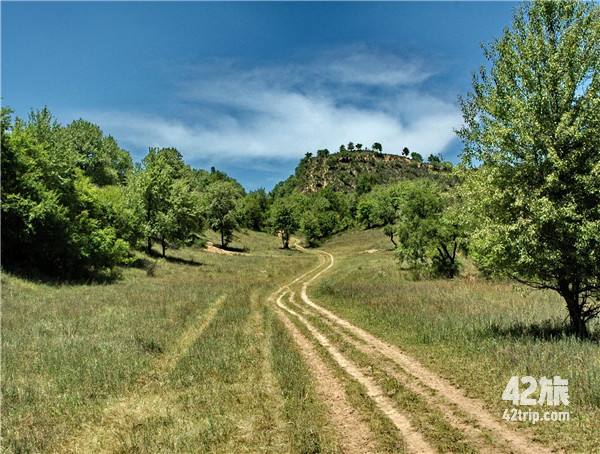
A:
x,y
478,334
71,353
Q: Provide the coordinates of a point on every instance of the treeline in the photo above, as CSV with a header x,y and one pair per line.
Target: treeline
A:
x,y
74,203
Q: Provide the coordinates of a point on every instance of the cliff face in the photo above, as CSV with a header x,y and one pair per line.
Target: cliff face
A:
x,y
351,171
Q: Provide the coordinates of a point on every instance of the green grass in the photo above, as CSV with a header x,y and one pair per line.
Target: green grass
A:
x,y
110,361
69,351
476,333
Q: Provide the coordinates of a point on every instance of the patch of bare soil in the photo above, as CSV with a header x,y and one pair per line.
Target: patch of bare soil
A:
x,y
413,439
210,247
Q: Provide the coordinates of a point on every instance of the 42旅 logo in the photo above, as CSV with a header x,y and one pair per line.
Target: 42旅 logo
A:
x,y
553,391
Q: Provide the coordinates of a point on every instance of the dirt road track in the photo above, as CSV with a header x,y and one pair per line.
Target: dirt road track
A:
x,y
479,427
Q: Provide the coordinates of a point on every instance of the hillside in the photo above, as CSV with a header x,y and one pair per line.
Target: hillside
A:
x,y
356,171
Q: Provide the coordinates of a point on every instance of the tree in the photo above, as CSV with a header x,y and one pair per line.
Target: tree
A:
x,y
221,209
54,219
416,157
405,151
365,212
253,208
350,146
323,153
429,232
311,228
161,193
434,159
533,121
284,220
389,230
377,147
100,157
365,182
342,148
359,146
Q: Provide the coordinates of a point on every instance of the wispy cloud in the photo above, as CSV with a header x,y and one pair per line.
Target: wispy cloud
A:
x,y
235,112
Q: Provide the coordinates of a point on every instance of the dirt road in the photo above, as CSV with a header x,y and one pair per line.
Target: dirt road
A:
x,y
323,329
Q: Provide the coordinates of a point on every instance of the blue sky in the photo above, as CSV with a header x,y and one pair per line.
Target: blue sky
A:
x,y
250,87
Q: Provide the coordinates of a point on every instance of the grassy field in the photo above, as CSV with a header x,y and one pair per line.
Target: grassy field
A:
x,y
139,365
475,333
188,354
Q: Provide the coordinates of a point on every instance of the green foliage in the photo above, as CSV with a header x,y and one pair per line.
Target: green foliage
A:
x,y
311,228
163,197
416,157
428,230
533,120
53,218
253,207
99,157
284,220
378,207
365,183
221,210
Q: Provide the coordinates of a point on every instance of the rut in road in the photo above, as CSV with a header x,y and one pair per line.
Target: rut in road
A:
x,y
447,395
355,436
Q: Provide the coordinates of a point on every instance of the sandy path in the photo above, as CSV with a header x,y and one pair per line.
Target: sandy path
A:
x,y
355,436
517,442
413,439
476,436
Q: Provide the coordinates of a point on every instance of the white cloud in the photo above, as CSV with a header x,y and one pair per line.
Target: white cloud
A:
x,y
283,111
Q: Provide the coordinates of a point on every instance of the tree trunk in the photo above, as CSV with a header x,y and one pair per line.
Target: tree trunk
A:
x,y
164,246
392,240
149,244
572,295
285,237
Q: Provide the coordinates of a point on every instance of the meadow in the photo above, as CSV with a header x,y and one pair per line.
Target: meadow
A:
x,y
184,357
189,354
474,332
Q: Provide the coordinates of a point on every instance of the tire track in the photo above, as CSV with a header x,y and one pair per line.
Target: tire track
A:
x,y
355,436
475,435
143,401
413,439
516,442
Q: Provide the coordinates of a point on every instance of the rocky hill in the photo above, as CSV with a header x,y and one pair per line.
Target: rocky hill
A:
x,y
355,171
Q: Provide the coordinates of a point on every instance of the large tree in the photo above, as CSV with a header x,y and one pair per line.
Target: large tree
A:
x,y
162,195
54,220
221,209
533,123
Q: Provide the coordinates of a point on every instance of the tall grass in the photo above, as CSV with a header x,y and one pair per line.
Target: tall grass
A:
x,y
68,350
476,333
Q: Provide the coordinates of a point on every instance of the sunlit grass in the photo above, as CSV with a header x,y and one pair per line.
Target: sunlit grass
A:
x,y
68,350
476,333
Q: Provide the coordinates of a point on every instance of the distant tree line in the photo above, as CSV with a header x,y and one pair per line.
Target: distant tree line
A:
x,y
73,202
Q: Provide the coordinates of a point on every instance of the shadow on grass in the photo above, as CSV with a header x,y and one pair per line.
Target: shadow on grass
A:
x,y
145,263
230,249
37,276
549,330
